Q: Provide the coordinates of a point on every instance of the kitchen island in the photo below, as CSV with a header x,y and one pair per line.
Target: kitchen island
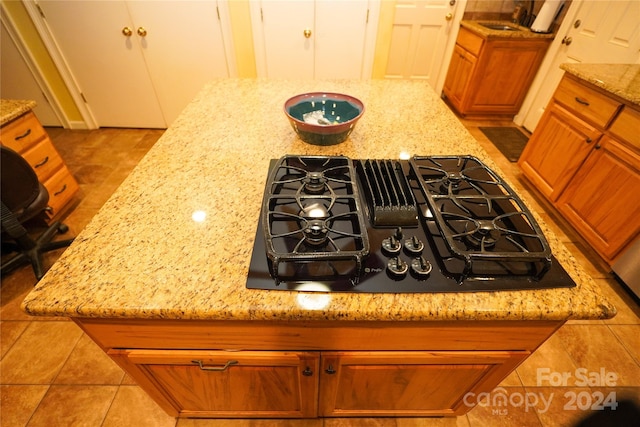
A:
x,y
157,278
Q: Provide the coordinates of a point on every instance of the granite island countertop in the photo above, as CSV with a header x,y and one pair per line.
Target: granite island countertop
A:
x,y
622,80
143,256
488,33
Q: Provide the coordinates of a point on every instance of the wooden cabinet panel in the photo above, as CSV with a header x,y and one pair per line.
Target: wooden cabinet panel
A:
x,y
228,384
459,75
62,187
602,200
22,133
556,150
408,383
627,127
588,103
44,159
469,41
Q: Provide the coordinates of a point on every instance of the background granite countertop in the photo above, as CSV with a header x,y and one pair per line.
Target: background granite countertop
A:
x,y
488,33
13,108
143,256
622,80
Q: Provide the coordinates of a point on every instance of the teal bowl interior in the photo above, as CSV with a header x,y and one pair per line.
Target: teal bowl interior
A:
x,y
339,114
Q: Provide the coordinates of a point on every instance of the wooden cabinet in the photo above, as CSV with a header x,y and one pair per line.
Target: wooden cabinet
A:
x,y
489,77
226,384
316,369
409,383
585,158
26,135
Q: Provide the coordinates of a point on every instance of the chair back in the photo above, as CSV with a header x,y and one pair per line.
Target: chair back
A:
x,y
19,185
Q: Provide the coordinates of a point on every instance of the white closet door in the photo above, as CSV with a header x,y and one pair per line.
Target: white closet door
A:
x,y
284,38
183,47
341,30
108,66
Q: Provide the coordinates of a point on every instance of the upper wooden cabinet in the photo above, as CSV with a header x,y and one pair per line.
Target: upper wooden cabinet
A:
x,y
584,156
489,77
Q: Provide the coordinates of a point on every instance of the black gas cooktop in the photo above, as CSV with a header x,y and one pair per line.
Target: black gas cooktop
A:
x,y
428,224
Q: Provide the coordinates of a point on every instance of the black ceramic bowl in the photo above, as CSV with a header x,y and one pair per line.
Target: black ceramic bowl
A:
x,y
323,118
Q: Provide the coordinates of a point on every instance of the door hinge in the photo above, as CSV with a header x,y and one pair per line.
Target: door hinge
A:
x,y
83,98
367,20
40,11
218,12
261,15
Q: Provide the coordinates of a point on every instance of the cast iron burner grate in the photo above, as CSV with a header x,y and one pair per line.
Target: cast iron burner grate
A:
x,y
479,216
313,224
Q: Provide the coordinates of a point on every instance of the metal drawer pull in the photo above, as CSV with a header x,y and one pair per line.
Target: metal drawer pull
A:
x,y
24,135
582,101
42,163
330,370
64,187
215,368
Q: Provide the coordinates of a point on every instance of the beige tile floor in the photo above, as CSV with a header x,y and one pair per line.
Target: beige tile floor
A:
x,y
51,374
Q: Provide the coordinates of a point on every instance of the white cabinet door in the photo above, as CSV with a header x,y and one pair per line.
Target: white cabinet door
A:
x,y
108,66
183,47
311,38
146,78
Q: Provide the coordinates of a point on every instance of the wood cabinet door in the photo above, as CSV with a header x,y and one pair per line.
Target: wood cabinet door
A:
x,y
409,383
223,384
602,201
459,75
556,150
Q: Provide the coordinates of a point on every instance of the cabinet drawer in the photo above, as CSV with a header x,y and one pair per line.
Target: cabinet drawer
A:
x,y
627,126
43,158
470,41
62,187
586,102
22,133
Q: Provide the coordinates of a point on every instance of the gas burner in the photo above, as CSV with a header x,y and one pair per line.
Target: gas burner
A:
x,y
484,236
315,233
451,182
314,183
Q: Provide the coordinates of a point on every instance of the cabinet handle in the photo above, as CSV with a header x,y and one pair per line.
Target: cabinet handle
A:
x,y
307,372
589,140
142,32
64,187
215,368
126,31
42,163
582,101
307,33
598,146
24,135
330,370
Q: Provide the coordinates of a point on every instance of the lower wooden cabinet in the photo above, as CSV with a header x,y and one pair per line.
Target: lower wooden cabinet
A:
x,y
224,384
601,202
409,383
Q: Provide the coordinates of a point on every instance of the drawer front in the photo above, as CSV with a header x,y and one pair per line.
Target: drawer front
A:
x,y
627,127
470,41
22,133
62,187
592,105
44,159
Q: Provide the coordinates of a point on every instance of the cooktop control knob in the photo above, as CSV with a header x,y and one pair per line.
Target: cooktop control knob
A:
x,y
420,267
413,245
397,268
392,245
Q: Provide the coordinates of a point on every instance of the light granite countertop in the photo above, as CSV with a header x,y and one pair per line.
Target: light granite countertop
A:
x,y
622,80
488,33
143,255
11,109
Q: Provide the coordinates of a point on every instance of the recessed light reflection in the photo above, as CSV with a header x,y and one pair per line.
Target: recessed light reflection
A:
x,y
318,299
199,216
404,155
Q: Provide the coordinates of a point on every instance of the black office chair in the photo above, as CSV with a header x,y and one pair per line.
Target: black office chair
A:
x,y
24,198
